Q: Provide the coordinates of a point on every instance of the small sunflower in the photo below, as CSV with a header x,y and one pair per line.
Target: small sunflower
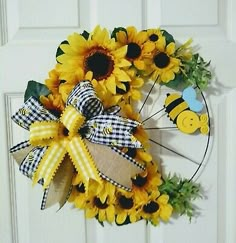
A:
x,y
154,35
53,101
101,202
78,195
138,46
98,54
163,65
146,182
131,90
126,207
151,209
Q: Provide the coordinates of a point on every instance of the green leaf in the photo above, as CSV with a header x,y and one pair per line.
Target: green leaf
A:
x,y
116,30
176,82
168,36
182,193
35,89
59,50
85,34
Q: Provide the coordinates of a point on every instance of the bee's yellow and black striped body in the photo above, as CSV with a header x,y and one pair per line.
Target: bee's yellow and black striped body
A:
x,y
174,105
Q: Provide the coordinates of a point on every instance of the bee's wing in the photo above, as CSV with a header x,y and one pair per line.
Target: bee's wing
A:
x,y
190,96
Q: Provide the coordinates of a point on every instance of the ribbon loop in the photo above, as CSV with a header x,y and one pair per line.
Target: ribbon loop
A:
x,y
84,99
42,131
30,112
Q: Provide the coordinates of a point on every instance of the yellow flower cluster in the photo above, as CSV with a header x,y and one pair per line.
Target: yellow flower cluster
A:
x,y
116,64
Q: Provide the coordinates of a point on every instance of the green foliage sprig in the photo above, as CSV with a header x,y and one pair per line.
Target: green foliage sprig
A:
x,y
182,193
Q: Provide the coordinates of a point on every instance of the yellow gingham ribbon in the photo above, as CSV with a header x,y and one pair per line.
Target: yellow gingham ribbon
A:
x,y
62,137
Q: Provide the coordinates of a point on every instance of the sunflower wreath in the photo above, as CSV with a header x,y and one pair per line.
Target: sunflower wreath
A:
x,y
87,144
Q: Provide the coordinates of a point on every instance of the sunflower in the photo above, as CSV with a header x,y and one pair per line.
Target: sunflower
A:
x,y
146,182
151,208
99,54
154,35
101,201
54,100
131,90
126,207
138,46
107,98
163,65
78,195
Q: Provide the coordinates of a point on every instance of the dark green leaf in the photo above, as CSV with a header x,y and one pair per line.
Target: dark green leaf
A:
x,y
85,34
59,50
35,89
169,37
175,83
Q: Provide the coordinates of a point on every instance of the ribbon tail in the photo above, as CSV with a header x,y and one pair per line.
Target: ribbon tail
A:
x,y
60,188
50,163
114,165
82,160
20,151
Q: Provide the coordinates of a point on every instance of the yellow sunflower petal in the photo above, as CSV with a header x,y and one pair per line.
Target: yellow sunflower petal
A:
x,y
121,37
139,64
163,199
135,94
110,213
170,49
141,37
165,212
90,212
111,84
121,217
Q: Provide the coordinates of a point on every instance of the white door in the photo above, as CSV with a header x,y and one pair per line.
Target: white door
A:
x,y
30,31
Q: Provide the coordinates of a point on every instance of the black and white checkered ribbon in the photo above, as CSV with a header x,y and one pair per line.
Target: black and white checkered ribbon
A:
x,y
100,126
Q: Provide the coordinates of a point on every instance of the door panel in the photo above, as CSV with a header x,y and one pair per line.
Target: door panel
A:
x,y
29,43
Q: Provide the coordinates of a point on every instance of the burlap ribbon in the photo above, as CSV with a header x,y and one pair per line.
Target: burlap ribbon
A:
x,y
77,137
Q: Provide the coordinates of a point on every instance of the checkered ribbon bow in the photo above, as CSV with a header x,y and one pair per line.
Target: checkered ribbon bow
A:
x,y
79,136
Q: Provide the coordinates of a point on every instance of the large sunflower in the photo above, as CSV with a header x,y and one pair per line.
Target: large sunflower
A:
x,y
138,45
163,65
99,54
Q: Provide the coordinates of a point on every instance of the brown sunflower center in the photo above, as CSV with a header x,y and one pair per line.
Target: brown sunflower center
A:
x,y
121,91
153,37
151,207
100,63
131,152
139,181
161,60
65,131
99,204
126,203
134,51
80,188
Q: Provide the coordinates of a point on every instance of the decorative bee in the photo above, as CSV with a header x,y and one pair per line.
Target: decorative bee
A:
x,y
31,157
44,111
24,111
107,130
74,102
182,111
